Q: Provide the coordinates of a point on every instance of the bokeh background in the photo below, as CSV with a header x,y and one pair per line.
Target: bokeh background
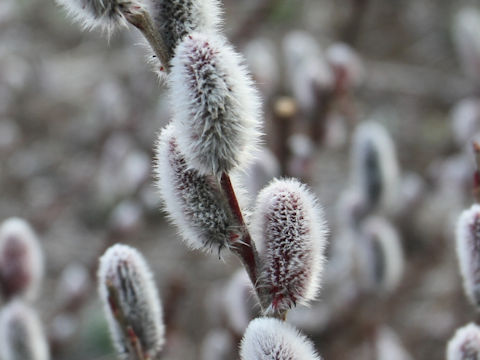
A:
x,y
79,116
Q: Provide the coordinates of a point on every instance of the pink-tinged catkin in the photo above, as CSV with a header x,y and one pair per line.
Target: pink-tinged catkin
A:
x,y
104,14
21,333
272,339
124,269
290,231
216,108
21,260
468,251
175,19
465,344
194,202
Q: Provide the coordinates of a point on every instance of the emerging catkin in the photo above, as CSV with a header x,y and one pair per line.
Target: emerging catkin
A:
x,y
175,19
194,202
273,339
21,333
468,251
216,107
291,232
21,260
131,303
465,344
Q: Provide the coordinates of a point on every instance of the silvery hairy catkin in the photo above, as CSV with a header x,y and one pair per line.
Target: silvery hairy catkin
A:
x,y
194,202
175,19
465,344
215,105
127,289
374,165
290,231
273,339
21,260
105,14
468,251
21,333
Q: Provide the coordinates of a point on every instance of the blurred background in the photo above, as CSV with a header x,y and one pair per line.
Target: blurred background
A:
x,y
348,86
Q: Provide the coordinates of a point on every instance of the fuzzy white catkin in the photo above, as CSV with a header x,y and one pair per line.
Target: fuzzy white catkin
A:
x,y
273,339
468,251
290,231
21,259
127,271
465,344
375,170
21,333
175,19
216,108
194,202
104,14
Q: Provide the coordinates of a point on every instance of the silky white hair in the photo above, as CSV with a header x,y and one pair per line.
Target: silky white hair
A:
x,y
273,339
465,344
124,268
194,202
290,231
468,251
104,14
216,108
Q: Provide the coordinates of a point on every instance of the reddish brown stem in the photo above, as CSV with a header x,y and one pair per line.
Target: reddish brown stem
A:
x,y
244,247
232,198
